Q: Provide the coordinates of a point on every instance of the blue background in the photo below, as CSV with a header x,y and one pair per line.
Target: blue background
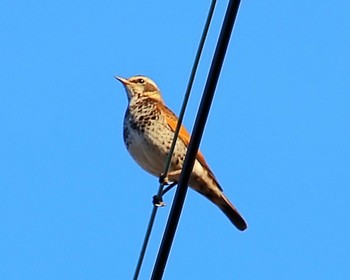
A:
x,y
73,204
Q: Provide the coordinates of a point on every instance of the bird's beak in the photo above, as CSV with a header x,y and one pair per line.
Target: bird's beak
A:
x,y
122,80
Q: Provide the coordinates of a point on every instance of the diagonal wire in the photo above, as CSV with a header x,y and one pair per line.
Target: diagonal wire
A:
x,y
176,134
197,132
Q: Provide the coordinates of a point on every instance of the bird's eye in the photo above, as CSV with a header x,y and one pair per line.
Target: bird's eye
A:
x,y
141,81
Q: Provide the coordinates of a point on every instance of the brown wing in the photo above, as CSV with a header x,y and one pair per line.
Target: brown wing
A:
x,y
183,135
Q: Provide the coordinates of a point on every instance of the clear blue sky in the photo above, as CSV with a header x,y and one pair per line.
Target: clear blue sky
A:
x,y
73,204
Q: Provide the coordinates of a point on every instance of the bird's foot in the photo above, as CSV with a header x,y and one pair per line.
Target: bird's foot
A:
x,y
158,199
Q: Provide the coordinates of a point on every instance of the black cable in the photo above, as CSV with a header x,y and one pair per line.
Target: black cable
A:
x,y
176,133
201,118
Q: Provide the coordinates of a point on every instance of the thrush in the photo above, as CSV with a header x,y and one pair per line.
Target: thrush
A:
x,y
148,132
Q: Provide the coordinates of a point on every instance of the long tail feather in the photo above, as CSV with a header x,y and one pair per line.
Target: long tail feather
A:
x,y
231,212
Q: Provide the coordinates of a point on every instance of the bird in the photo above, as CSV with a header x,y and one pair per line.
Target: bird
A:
x,y
148,131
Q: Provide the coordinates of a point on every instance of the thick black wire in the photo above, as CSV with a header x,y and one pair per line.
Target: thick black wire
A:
x,y
201,118
176,133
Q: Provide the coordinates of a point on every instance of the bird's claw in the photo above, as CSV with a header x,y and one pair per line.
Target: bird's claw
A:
x,y
158,201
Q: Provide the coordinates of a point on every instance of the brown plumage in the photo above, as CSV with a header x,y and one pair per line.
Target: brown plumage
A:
x,y
148,132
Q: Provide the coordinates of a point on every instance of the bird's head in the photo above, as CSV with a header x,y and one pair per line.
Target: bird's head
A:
x,y
140,87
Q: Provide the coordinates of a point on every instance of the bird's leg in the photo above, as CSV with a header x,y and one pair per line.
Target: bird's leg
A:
x,y
172,177
163,180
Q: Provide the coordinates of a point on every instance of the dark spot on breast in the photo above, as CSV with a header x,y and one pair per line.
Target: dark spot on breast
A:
x,y
133,124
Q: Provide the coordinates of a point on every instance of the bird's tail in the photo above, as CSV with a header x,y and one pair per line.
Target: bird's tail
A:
x,y
231,212
210,188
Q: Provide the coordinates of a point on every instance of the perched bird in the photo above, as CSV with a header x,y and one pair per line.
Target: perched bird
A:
x,y
148,133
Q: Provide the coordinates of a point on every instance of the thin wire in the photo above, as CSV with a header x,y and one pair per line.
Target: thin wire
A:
x,y
176,134
197,133
187,94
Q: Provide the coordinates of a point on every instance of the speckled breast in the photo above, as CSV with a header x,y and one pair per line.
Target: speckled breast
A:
x,y
148,138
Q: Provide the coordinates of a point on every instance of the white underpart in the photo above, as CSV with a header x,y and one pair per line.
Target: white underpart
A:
x,y
148,158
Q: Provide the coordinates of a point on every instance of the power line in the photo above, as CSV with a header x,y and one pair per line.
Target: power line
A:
x,y
197,133
176,133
